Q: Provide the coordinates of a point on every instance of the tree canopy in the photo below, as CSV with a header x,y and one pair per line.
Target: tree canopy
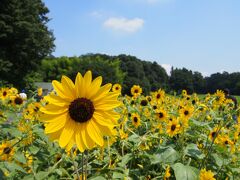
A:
x,y
24,38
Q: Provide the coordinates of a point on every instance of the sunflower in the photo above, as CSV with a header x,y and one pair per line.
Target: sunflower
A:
x,y
184,92
206,175
167,173
173,127
135,119
6,151
17,100
219,97
40,91
161,114
81,113
159,95
117,88
136,90
4,93
186,112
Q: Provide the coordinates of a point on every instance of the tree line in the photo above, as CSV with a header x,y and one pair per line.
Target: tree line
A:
x,y
129,70
26,44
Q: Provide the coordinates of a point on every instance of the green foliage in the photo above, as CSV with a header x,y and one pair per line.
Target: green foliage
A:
x,y
24,38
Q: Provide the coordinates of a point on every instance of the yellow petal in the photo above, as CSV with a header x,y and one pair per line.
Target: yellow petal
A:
x,y
59,89
94,87
54,118
79,142
102,92
67,133
53,109
107,106
68,87
80,91
57,100
87,79
53,127
97,117
95,133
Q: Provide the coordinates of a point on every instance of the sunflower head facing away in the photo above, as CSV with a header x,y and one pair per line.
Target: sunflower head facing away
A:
x,y
80,114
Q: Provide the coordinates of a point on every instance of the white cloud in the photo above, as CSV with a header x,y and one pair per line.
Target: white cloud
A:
x,y
124,24
167,67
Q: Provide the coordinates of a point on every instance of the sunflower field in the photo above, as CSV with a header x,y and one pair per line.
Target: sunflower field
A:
x,y
86,130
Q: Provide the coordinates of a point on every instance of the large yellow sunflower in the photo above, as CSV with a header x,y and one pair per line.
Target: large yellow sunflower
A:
x,y
80,113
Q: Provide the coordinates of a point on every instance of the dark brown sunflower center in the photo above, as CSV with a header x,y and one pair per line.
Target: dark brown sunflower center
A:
x,y
186,113
173,127
135,119
117,88
158,96
213,134
4,93
160,115
144,102
136,91
7,150
18,100
81,110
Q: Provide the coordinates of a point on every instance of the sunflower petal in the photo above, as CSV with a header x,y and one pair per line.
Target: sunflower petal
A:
x,y
78,85
67,133
68,87
53,127
102,92
95,86
95,133
53,109
59,89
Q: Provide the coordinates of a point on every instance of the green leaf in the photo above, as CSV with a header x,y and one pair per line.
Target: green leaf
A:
x,y
41,175
20,157
199,123
13,167
193,151
97,178
34,149
169,156
125,160
185,172
117,175
218,160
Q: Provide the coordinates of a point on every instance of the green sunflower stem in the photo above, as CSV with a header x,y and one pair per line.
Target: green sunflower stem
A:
x,y
86,165
82,166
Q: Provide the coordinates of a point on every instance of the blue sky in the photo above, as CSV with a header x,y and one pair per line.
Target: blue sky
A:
x,y
201,35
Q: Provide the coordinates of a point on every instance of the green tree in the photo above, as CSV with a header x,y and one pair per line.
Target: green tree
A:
x,y
24,38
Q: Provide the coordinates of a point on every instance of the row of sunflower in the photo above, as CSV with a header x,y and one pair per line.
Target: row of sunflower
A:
x,y
83,130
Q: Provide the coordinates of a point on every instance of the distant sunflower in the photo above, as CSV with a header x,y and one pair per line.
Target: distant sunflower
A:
x,y
6,151
4,93
117,88
173,127
184,92
186,112
161,114
206,175
219,97
135,120
80,113
159,95
136,90
17,100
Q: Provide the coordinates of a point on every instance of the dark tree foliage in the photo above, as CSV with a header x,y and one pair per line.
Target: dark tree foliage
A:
x,y
24,38
224,80
150,76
